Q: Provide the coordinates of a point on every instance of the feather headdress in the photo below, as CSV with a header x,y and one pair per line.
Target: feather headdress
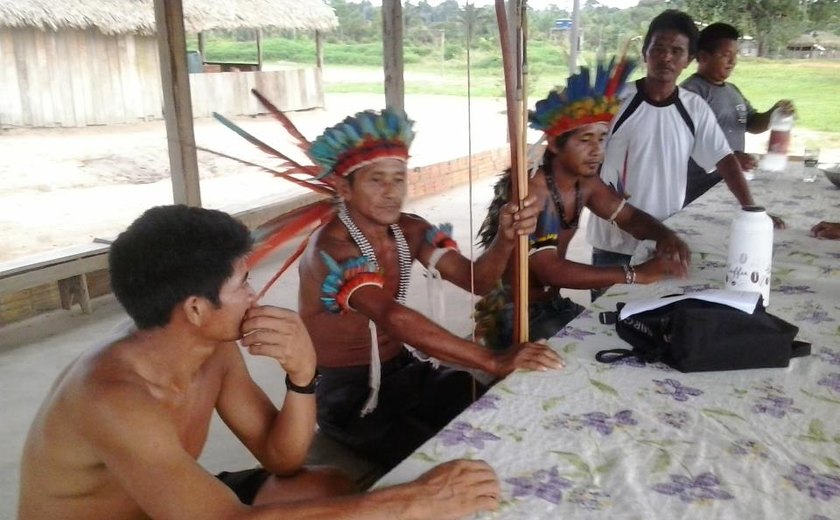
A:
x,y
581,102
355,142
361,139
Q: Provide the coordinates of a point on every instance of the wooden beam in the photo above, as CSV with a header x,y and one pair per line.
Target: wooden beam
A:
x,y
319,50
392,54
202,46
177,102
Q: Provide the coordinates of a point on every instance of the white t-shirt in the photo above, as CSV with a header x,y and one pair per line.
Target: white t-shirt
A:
x,y
647,156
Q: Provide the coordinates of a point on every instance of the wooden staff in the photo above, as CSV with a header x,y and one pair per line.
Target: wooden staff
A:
x,y
515,71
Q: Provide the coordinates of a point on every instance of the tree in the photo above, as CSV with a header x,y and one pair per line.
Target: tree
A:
x,y
771,22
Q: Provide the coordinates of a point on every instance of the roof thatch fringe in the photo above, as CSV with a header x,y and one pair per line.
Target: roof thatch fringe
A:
x,y
137,16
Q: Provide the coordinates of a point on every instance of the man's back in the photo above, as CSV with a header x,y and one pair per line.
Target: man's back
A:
x,y
63,474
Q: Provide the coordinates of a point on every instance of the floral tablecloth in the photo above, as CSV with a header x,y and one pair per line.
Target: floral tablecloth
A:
x,y
634,441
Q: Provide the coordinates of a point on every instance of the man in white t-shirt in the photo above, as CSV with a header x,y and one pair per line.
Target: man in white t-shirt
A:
x,y
657,129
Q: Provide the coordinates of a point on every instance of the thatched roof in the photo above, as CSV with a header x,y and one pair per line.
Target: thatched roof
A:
x,y
137,16
822,38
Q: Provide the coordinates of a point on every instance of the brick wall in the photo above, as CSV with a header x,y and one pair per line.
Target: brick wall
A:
x,y
437,177
422,181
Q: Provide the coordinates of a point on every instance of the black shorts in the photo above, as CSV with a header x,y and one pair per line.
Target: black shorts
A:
x,y
245,483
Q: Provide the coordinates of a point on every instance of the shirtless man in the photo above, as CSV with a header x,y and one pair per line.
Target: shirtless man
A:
x,y
374,396
119,433
567,181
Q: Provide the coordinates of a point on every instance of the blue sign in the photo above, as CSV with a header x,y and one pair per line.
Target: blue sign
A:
x,y
562,24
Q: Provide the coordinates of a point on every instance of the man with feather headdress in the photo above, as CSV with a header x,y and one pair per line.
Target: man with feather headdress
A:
x,y
382,390
574,125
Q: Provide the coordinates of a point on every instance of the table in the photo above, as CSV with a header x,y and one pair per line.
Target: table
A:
x,y
634,441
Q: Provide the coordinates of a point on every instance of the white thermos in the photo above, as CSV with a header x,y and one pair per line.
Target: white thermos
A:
x,y
750,252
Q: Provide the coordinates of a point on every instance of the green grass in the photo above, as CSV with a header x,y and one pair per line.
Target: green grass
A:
x,y
813,85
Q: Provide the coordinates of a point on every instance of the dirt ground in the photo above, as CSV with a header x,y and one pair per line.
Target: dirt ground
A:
x,y
63,187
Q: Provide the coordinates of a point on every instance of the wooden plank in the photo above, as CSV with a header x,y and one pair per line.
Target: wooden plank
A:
x,y
148,69
116,98
63,79
22,45
40,77
75,46
48,258
96,60
172,43
32,278
10,94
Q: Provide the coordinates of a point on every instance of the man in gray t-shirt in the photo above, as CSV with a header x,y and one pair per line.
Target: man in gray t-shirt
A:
x,y
717,53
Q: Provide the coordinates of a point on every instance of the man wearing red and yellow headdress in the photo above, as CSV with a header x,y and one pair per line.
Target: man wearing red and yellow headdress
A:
x,y
574,122
383,391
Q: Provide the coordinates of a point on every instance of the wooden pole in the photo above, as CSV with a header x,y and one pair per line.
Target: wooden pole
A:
x,y
392,54
202,45
319,50
177,102
511,39
259,50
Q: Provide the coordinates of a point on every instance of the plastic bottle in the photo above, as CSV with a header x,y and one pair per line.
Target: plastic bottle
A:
x,y
777,148
750,252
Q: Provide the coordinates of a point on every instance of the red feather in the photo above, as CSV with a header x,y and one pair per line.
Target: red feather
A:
x,y
283,119
289,226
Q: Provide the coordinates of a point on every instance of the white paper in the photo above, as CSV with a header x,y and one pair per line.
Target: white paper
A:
x,y
744,301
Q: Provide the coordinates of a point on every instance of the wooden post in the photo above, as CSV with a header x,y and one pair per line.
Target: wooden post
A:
x,y
392,54
574,36
319,50
202,43
177,102
259,50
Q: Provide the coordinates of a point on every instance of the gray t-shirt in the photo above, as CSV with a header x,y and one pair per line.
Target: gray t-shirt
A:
x,y
732,111
730,107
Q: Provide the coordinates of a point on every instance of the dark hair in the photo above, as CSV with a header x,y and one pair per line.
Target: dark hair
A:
x,y
673,20
501,190
711,36
171,253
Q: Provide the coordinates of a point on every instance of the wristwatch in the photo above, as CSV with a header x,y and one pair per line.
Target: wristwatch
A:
x,y
308,389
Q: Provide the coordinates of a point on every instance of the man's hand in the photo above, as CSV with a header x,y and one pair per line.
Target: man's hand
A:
x,y
673,249
747,161
830,230
660,268
786,107
280,334
778,223
529,356
454,490
514,221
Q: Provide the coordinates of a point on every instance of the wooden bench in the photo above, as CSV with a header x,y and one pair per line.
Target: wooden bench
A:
x,y
68,266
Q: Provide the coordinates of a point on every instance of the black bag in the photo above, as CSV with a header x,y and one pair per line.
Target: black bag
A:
x,y
696,336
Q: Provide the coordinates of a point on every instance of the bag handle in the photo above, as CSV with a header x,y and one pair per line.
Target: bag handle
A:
x,y
613,355
800,349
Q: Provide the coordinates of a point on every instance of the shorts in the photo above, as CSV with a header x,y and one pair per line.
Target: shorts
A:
x,y
245,483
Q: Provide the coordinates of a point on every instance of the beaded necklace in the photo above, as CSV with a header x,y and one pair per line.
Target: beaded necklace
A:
x,y
558,201
364,245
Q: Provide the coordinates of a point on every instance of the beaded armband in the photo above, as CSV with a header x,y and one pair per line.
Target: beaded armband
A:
x,y
343,279
441,237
